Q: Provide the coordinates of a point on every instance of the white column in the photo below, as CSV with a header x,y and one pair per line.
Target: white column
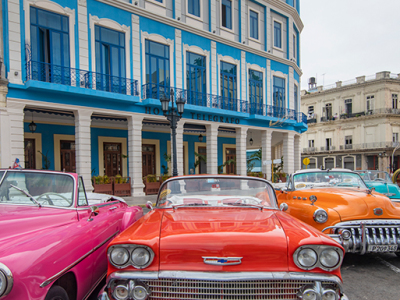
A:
x,y
13,139
243,10
291,31
268,21
244,77
83,35
135,154
178,58
14,40
178,9
269,89
291,88
83,156
136,51
213,4
212,148
214,69
241,147
266,137
288,152
179,147
297,153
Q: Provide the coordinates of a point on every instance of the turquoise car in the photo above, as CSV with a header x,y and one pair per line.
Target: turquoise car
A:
x,y
380,180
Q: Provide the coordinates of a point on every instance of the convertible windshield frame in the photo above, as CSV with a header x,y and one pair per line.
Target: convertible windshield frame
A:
x,y
216,191
322,179
33,187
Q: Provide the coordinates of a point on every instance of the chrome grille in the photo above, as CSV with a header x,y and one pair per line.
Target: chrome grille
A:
x,y
188,289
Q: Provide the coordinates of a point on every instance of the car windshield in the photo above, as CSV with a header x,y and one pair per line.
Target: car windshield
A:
x,y
377,176
216,191
37,188
327,179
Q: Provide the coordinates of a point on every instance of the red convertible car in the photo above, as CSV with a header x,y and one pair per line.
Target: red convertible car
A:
x,y
52,241
221,237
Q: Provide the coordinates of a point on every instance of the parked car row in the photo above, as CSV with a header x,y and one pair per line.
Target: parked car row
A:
x,y
232,237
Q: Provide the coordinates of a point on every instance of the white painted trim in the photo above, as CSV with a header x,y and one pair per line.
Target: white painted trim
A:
x,y
233,17
258,24
162,4
38,147
56,8
231,60
162,40
273,34
107,23
193,16
354,160
325,157
281,75
109,139
197,50
57,149
294,54
185,154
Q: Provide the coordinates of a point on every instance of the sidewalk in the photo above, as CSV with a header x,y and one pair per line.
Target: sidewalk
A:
x,y
140,200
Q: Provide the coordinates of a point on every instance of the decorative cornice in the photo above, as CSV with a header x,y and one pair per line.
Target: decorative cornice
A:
x,y
179,25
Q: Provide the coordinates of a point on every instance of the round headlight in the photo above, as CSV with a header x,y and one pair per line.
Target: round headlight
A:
x,y
309,294
307,258
320,216
119,256
3,283
329,295
140,257
121,292
139,293
329,258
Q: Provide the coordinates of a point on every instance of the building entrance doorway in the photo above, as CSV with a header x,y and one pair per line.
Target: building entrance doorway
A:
x,y
30,150
112,159
148,160
67,153
231,155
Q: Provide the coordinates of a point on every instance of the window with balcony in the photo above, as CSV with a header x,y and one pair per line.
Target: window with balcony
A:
x,y
327,112
194,7
110,60
196,81
50,59
279,92
310,143
296,97
277,34
348,142
395,137
310,112
256,92
228,86
253,24
370,104
395,101
328,144
294,46
348,106
226,14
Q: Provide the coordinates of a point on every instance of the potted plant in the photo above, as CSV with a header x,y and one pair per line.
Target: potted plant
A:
x,y
122,186
102,184
151,184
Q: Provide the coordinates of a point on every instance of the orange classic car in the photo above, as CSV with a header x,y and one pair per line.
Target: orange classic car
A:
x,y
338,203
221,237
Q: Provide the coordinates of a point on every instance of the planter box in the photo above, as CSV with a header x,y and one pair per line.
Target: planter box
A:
x,y
103,188
151,188
122,189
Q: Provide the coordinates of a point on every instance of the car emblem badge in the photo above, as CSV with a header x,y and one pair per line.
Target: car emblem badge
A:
x,y
222,261
378,211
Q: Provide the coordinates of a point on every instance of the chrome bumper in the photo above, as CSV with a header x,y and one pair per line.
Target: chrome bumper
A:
x,y
218,285
366,234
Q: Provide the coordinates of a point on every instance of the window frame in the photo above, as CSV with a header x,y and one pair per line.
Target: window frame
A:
x,y
275,35
260,84
191,15
232,16
250,10
236,82
202,68
279,88
395,97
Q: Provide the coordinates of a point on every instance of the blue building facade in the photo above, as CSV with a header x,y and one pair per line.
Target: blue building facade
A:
x,y
90,75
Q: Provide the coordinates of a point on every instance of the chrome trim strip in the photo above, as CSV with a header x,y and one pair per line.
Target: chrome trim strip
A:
x,y
95,286
62,272
10,279
222,276
43,206
222,261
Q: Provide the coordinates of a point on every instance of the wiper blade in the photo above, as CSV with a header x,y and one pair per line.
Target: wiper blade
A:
x,y
189,204
246,205
27,194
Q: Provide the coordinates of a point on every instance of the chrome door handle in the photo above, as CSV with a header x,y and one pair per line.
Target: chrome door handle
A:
x,y
112,208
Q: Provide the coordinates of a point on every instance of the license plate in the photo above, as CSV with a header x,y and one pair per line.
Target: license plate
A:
x,y
382,248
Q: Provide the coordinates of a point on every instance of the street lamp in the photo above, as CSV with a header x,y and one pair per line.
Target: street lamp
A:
x,y
394,150
173,116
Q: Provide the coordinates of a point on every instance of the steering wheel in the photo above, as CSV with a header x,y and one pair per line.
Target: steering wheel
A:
x,y
48,198
379,179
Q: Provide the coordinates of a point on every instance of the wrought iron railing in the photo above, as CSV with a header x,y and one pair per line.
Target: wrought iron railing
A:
x,y
51,73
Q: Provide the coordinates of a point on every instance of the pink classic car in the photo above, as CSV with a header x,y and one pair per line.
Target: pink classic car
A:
x,y
52,239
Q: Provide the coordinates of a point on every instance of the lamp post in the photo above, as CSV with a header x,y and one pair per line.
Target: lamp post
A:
x,y
173,116
394,150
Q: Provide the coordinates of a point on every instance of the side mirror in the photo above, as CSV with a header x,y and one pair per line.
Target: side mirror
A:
x,y
283,207
149,205
94,211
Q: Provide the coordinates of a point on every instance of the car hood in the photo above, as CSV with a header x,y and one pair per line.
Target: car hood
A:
x,y
188,235
353,203
19,223
389,189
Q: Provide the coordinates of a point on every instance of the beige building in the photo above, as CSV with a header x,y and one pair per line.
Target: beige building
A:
x,y
353,124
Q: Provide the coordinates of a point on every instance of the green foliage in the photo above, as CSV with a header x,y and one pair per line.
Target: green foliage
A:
x,y
150,178
256,156
228,162
101,179
278,171
168,160
199,159
46,160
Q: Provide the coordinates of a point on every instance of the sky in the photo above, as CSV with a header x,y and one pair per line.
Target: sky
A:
x,y
344,39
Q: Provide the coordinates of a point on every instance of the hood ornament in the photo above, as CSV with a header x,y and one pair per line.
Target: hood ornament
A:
x,y
378,211
222,261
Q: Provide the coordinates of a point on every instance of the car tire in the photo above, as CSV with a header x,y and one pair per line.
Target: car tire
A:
x,y
57,293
